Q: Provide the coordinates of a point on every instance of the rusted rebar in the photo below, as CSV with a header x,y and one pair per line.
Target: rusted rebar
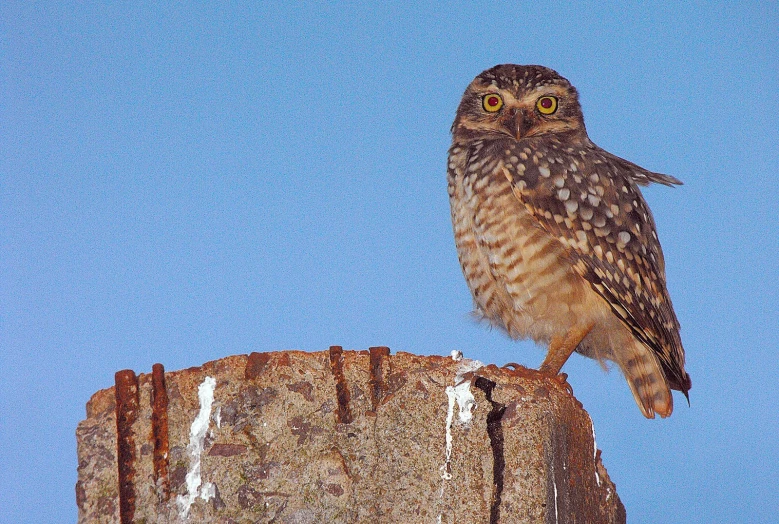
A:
x,y
341,389
126,392
378,387
159,428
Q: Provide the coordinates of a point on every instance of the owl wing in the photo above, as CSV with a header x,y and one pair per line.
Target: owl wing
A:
x,y
639,175
588,199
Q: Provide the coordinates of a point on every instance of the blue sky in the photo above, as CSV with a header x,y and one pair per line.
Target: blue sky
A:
x,y
183,183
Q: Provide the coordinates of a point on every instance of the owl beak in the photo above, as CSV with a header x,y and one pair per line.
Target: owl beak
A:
x,y
519,123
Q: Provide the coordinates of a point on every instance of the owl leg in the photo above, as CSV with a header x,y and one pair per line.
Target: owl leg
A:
x,y
560,349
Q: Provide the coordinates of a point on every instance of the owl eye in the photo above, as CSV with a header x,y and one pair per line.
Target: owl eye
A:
x,y
492,102
546,105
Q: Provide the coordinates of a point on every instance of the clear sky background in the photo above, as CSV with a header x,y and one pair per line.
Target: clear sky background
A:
x,y
180,184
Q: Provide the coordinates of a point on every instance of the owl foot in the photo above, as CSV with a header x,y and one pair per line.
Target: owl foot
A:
x,y
518,369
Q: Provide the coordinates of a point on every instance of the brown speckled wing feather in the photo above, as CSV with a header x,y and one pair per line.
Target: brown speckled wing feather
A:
x,y
608,231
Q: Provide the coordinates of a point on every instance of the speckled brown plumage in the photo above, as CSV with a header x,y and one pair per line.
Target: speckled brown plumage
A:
x,y
554,238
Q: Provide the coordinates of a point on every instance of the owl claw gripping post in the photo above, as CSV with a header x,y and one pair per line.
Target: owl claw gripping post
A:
x,y
554,238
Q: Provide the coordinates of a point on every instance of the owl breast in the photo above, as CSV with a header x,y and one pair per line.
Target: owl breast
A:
x,y
520,276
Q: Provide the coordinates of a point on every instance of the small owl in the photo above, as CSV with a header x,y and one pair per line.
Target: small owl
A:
x,y
554,237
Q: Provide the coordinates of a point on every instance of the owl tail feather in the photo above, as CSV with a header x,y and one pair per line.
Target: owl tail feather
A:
x,y
647,381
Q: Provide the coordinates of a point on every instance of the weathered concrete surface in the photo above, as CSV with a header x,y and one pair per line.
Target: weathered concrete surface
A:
x,y
352,436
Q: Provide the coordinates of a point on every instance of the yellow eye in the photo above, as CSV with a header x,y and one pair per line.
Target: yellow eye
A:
x,y
492,102
546,105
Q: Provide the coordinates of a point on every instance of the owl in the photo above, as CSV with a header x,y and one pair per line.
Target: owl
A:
x,y
554,237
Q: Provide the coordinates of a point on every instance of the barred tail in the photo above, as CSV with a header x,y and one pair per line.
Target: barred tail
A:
x,y
646,380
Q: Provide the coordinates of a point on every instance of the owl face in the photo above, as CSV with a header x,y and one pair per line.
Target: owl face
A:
x,y
518,102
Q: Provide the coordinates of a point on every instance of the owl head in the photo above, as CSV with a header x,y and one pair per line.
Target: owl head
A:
x,y
519,102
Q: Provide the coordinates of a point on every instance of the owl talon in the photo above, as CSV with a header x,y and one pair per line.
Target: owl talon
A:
x,y
562,379
512,366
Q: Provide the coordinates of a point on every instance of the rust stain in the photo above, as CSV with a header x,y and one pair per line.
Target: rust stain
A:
x,y
339,457
81,495
255,365
393,384
159,429
126,391
227,450
341,390
334,489
377,386
283,360
304,430
304,388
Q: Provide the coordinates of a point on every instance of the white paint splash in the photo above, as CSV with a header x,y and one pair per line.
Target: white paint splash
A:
x,y
595,453
448,451
554,486
595,456
197,436
460,395
461,391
